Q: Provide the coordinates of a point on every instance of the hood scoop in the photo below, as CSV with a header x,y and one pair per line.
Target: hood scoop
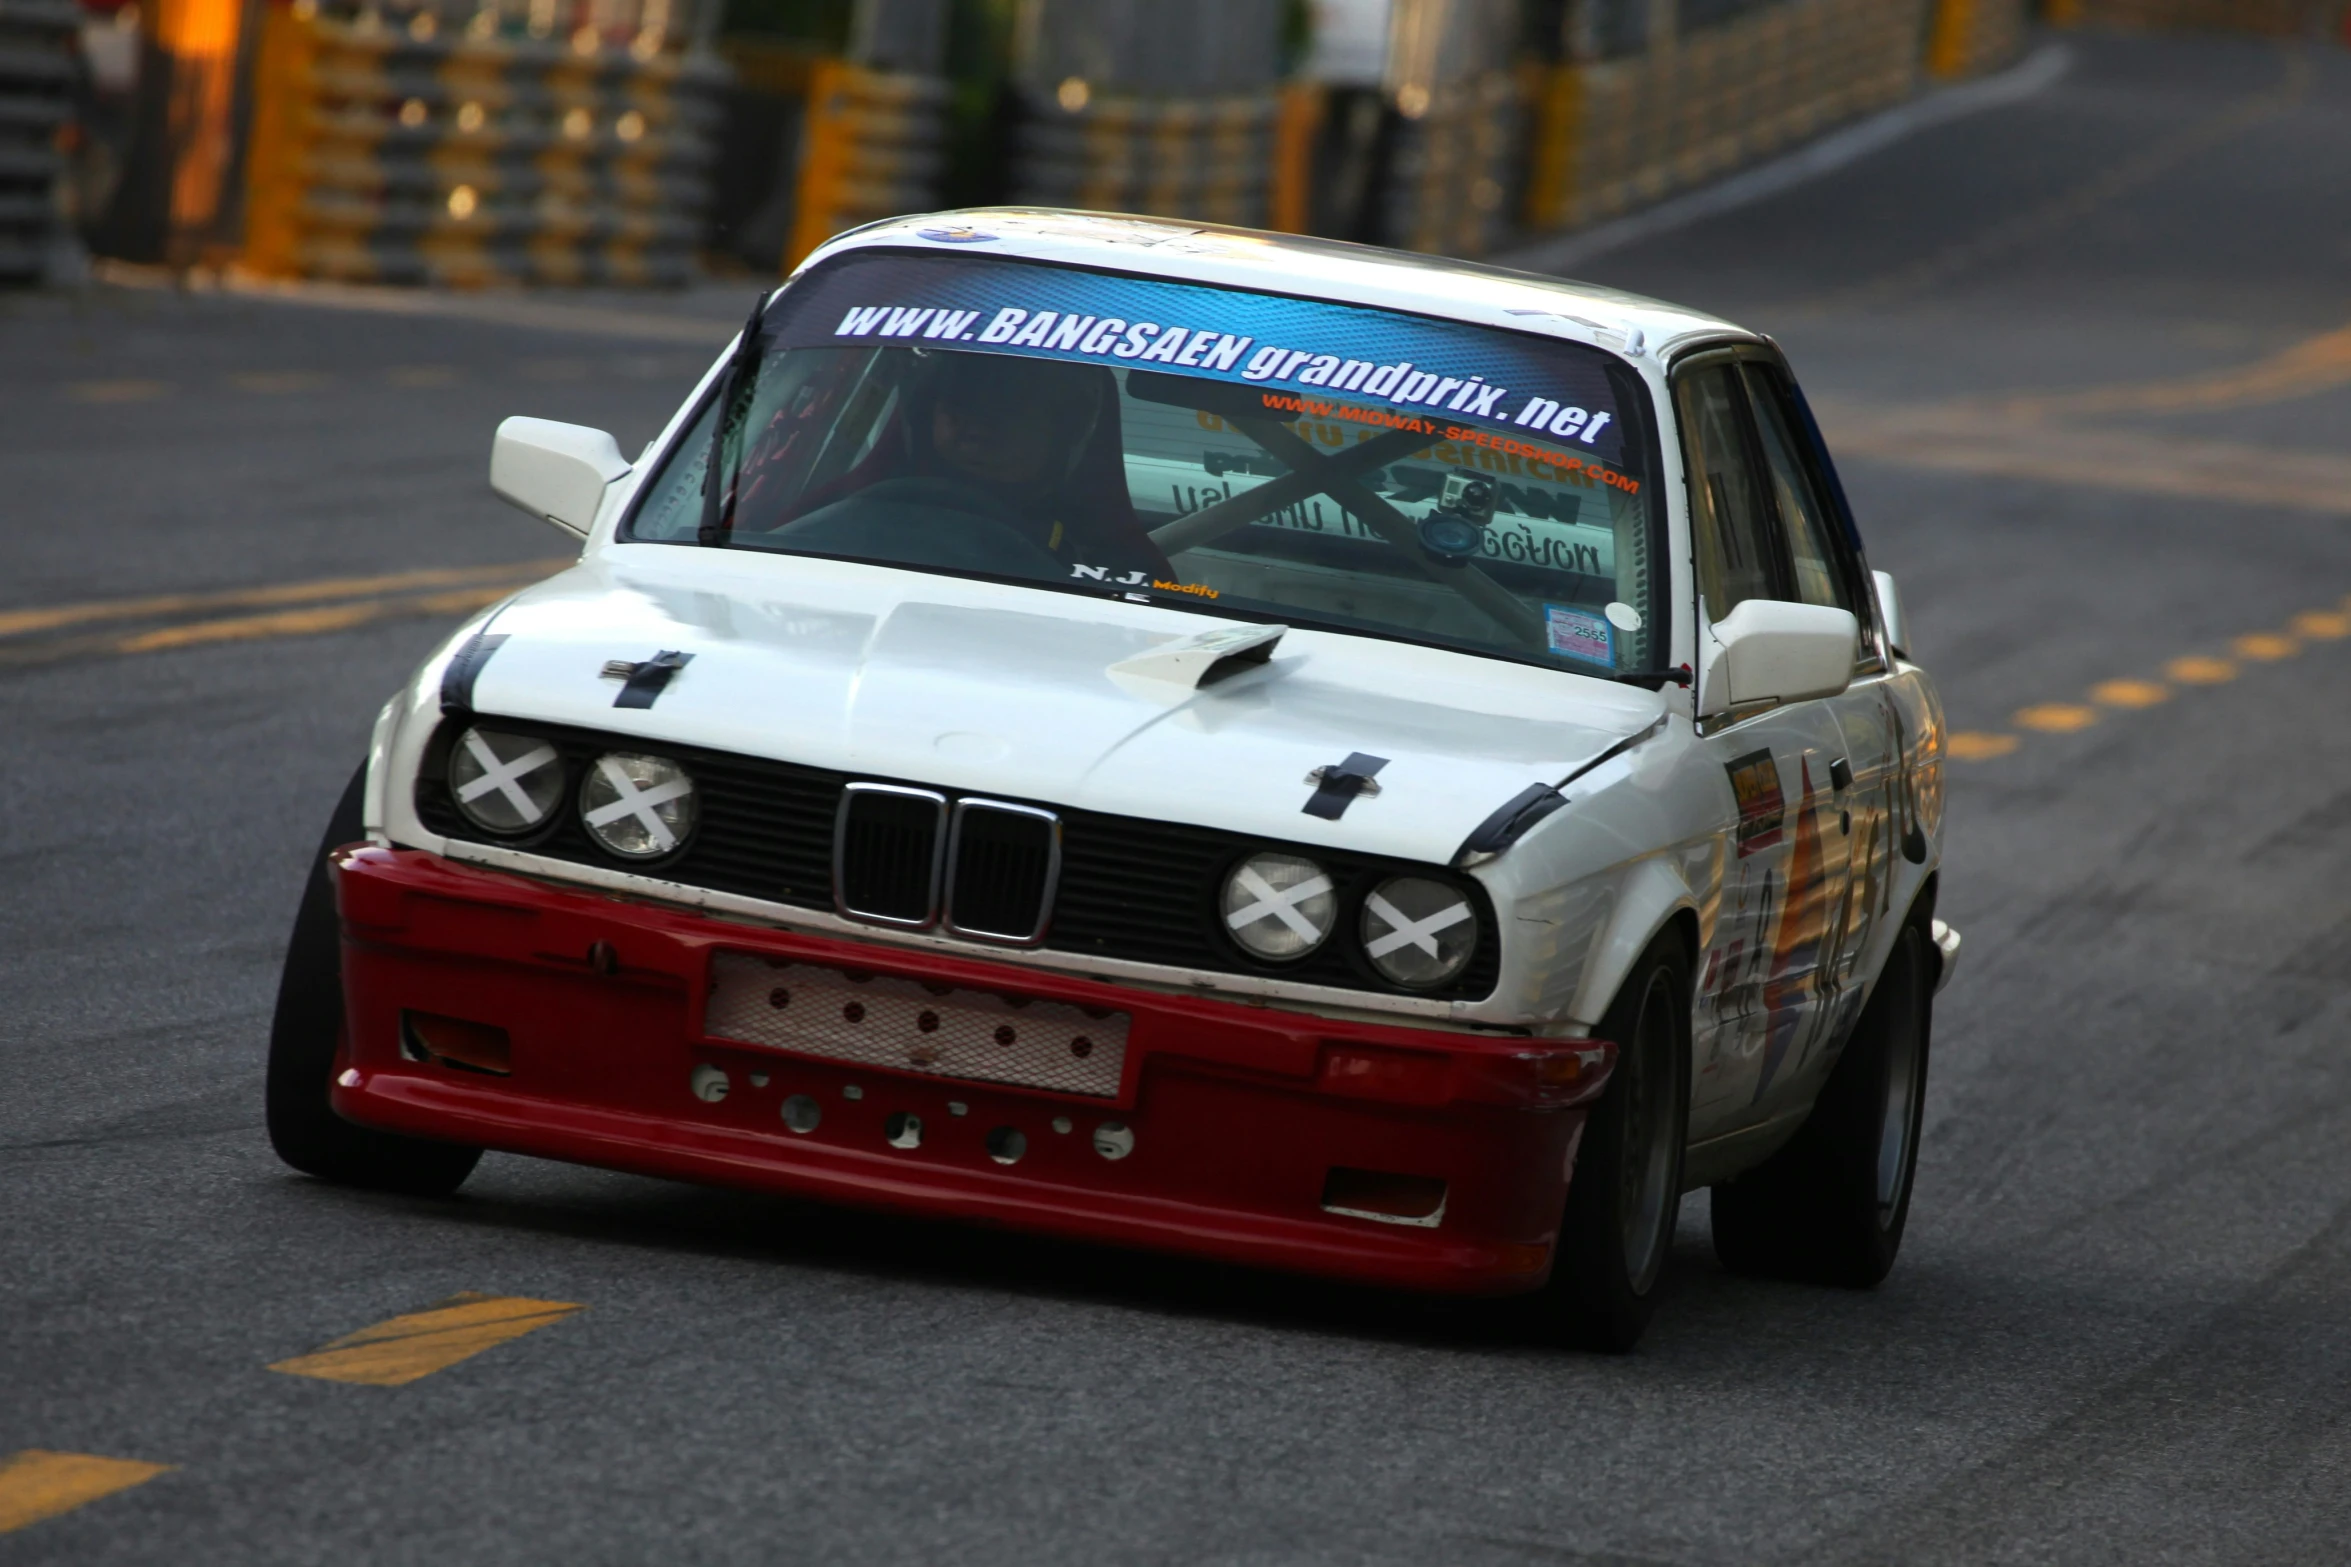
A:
x,y
1194,662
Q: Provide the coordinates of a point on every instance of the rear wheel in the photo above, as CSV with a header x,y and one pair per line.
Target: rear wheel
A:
x,y
1831,1206
304,1037
1627,1189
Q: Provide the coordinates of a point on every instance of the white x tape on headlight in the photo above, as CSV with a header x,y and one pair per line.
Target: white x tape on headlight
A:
x,y
638,802
1278,904
1405,932
505,777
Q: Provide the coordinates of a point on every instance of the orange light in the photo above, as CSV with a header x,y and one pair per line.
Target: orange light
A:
x,y
1519,1257
1375,1072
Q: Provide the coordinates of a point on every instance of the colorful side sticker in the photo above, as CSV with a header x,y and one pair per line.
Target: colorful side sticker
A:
x,y
1755,781
1579,633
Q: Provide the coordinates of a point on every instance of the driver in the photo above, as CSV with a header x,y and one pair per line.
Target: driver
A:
x,y
1022,435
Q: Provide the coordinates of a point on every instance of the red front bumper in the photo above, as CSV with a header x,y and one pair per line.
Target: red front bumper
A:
x,y
1237,1114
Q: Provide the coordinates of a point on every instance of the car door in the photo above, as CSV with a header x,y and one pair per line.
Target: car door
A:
x,y
1760,1005
1826,569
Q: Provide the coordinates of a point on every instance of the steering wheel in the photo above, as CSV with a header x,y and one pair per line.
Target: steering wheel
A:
x,y
922,521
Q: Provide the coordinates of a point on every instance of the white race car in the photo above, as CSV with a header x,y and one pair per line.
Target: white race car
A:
x,y
1181,737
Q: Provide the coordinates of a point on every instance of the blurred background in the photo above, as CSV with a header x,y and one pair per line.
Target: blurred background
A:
x,y
646,142
2069,286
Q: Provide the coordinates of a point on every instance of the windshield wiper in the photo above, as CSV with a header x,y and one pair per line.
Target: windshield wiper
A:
x,y
1678,675
717,515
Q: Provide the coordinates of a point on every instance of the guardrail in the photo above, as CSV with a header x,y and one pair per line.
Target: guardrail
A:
x,y
36,97
1211,158
451,153
1969,36
1455,164
1614,134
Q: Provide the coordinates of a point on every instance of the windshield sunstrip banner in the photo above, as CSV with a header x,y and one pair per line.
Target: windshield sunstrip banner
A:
x,y
1452,370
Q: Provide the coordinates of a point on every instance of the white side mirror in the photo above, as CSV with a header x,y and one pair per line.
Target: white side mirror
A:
x,y
556,472
1890,613
1775,651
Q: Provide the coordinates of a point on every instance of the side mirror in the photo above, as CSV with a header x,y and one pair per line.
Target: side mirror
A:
x,y
556,472
1890,612
1775,651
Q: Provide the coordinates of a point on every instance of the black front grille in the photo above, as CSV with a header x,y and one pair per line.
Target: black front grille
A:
x,y
1001,873
1132,889
889,843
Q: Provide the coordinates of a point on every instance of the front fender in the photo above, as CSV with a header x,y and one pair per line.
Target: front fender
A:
x,y
1651,893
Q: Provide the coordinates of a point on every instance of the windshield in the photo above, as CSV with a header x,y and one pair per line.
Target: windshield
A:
x,y
1249,456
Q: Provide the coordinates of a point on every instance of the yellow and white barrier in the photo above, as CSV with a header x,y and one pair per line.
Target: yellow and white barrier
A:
x,y
1971,36
451,153
872,145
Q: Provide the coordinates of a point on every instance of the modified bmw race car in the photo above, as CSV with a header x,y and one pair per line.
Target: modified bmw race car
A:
x,y
1178,737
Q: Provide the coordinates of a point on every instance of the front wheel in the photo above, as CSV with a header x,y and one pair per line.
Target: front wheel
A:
x,y
1831,1206
1627,1187
305,1035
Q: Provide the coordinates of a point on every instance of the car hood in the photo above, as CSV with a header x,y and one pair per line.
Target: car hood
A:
x,y
983,688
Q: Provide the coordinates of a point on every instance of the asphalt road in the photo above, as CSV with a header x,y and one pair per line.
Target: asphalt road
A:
x,y
2075,350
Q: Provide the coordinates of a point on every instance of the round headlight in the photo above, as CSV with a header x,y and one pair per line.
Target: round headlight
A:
x,y
1279,906
505,782
1419,931
637,806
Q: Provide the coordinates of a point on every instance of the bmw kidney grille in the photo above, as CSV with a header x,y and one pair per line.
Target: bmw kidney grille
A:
x,y
986,868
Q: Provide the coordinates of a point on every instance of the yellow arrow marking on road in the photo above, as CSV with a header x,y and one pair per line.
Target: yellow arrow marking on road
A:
x,y
37,1484
397,1352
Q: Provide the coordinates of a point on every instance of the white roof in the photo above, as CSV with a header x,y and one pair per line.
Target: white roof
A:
x,y
1184,251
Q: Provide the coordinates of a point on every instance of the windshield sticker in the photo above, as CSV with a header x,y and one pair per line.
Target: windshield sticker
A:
x,y
1139,579
1755,782
1549,388
1196,589
1579,633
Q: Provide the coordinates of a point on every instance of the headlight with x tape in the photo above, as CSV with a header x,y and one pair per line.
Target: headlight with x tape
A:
x,y
505,783
1419,931
1279,907
637,806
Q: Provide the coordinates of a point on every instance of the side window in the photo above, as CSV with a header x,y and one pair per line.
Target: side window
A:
x,y
1728,512
1814,550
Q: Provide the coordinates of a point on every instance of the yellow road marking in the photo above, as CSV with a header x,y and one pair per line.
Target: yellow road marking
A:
x,y
37,1484
2057,718
2129,693
2266,646
1973,745
18,622
394,1353
279,382
2321,625
115,391
2317,364
2200,671
309,622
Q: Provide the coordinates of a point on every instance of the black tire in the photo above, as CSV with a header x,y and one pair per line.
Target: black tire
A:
x,y
1617,1234
304,1036
1830,1207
